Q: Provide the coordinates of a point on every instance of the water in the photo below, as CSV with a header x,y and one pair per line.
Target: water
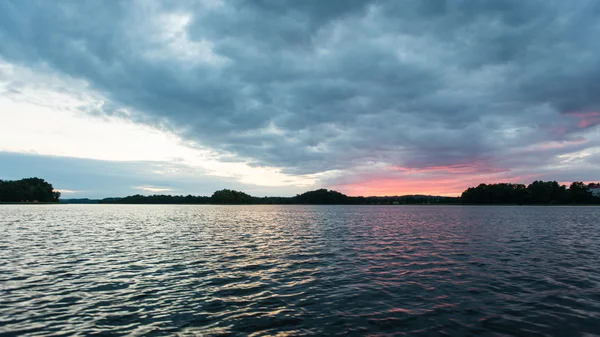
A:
x,y
299,270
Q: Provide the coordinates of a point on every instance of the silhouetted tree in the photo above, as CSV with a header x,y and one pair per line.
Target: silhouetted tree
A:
x,y
538,192
231,197
580,193
321,196
28,190
547,192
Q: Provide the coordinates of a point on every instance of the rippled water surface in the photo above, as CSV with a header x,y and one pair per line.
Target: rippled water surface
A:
x,y
299,270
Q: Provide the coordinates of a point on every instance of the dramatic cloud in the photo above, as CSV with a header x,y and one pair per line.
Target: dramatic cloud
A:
x,y
378,96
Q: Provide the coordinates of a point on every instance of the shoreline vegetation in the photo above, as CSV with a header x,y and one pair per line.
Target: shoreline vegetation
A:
x,y
317,197
29,190
38,191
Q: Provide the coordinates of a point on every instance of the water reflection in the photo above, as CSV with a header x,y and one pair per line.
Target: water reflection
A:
x,y
299,270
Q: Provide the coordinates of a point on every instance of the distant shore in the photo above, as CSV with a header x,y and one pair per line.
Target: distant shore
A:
x,y
32,191
537,193
30,203
232,197
396,205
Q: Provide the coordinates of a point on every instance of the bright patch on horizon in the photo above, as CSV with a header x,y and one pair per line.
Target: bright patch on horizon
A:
x,y
63,191
43,118
154,189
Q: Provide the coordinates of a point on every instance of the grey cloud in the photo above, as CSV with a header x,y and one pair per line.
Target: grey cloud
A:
x,y
409,83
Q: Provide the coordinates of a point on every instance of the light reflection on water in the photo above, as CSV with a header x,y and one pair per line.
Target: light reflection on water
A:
x,y
299,270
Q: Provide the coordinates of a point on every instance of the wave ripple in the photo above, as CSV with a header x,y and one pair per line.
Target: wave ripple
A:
x,y
299,270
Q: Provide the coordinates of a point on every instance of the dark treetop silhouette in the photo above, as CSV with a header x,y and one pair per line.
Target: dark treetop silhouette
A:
x,y
28,190
536,193
318,197
539,193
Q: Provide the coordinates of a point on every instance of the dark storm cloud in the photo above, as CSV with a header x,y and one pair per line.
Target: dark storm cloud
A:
x,y
310,86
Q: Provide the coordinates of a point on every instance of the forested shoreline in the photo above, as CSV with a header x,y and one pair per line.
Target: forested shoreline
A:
x,y
317,197
36,190
29,190
536,193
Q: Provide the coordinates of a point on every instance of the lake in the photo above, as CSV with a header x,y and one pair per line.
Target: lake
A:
x,y
299,270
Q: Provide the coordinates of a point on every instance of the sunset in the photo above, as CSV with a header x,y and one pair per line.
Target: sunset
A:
x,y
299,167
367,97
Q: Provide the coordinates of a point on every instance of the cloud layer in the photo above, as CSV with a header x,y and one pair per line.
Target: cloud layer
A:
x,y
382,92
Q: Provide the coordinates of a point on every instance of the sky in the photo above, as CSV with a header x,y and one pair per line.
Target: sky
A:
x,y
275,97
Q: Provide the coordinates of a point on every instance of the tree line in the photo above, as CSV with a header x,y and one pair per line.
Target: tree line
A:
x,y
28,190
536,193
317,197
154,199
